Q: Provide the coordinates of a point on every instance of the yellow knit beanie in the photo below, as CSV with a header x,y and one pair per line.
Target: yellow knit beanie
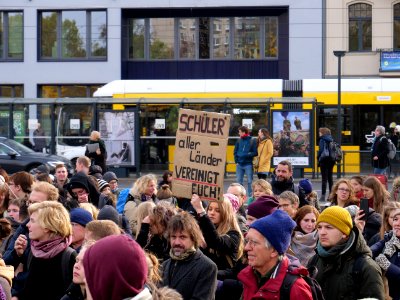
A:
x,y
337,217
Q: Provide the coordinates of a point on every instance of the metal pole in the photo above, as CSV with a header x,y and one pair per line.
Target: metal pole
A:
x,y
339,55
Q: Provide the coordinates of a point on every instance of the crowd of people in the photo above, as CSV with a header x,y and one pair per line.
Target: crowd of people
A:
x,y
85,238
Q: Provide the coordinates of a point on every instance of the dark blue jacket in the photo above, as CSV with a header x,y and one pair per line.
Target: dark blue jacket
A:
x,y
393,272
245,150
325,139
11,258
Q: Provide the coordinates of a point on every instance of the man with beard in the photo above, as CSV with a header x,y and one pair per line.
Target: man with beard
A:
x,y
282,181
188,270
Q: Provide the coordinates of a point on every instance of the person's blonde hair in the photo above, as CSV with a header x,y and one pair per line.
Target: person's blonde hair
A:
x,y
228,221
46,188
153,266
290,196
52,216
84,160
142,211
264,185
94,211
95,135
140,185
102,228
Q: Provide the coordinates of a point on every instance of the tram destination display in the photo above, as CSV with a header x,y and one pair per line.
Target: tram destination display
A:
x,y
200,154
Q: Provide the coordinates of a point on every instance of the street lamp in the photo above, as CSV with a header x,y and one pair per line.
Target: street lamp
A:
x,y
339,54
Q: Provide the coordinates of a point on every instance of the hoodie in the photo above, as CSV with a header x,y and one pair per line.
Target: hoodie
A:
x,y
81,180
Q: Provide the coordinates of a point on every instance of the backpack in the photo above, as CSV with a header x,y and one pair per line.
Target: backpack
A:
x,y
325,152
290,279
335,152
392,149
65,260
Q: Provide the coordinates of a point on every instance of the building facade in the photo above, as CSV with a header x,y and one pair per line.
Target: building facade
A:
x,y
367,31
68,49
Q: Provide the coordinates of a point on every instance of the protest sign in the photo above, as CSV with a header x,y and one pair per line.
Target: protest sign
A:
x,y
200,154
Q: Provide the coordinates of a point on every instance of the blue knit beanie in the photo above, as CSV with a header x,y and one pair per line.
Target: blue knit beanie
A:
x,y
277,229
80,216
306,185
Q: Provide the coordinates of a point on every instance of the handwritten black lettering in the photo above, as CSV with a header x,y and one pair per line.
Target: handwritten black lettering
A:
x,y
203,124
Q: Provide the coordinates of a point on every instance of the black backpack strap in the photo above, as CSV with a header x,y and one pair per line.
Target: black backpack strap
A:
x,y
356,272
287,284
65,266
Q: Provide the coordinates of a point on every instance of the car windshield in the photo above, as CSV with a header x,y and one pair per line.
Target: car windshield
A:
x,y
17,147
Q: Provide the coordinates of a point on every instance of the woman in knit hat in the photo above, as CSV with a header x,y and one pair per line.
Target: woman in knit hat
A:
x,y
310,195
340,249
305,235
263,206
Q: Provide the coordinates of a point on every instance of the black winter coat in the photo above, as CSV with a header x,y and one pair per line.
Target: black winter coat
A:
x,y
337,280
380,149
98,159
221,249
194,277
278,187
74,292
45,279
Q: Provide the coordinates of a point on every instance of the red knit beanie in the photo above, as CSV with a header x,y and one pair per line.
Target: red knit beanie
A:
x,y
115,268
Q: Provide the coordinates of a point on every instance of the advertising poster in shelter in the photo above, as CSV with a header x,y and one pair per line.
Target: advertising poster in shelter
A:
x,y
200,154
291,137
118,132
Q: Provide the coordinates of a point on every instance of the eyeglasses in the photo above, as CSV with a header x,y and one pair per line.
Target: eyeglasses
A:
x,y
252,243
344,190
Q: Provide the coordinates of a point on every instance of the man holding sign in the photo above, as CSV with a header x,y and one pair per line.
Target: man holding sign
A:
x,y
200,154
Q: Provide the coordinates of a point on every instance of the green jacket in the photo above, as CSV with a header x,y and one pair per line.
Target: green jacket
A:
x,y
337,280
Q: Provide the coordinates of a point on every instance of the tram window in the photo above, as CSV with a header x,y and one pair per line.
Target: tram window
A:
x,y
328,117
243,114
74,124
158,120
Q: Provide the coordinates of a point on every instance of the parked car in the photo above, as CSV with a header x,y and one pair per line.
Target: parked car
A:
x,y
15,157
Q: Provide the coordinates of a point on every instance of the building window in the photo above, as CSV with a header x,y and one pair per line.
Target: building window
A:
x,y
360,27
187,38
11,35
203,38
271,37
71,91
73,34
162,38
11,91
396,26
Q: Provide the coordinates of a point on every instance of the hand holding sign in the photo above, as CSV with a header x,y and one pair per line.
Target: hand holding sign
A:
x,y
196,203
200,154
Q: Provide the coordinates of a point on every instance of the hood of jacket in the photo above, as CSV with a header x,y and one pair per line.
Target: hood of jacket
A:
x,y
328,138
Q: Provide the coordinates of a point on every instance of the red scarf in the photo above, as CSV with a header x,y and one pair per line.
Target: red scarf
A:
x,y
245,135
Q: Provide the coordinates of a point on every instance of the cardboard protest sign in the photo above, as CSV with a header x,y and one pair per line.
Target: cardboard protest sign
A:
x,y
200,154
